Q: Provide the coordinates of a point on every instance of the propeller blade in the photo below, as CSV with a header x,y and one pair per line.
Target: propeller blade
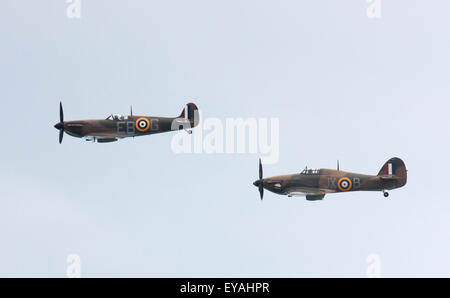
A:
x,y
260,183
260,170
61,134
61,113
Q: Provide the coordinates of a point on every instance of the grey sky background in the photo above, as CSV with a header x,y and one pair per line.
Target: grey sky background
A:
x,y
343,86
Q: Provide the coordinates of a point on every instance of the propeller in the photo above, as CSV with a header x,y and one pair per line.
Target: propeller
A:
x,y
61,135
60,125
260,183
61,113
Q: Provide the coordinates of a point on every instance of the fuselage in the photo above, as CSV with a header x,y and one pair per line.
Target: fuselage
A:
x,y
327,181
117,127
131,126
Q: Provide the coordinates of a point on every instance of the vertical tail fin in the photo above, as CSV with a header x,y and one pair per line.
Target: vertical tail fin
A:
x,y
395,167
190,112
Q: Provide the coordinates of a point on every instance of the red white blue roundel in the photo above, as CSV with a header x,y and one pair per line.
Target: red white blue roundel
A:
x,y
142,124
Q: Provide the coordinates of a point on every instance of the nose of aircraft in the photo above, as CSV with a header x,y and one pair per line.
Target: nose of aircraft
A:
x,y
59,125
257,183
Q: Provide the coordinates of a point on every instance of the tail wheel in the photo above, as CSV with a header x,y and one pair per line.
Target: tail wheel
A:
x,y
386,194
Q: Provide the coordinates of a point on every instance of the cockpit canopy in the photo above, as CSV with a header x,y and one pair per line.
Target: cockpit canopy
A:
x,y
307,171
116,117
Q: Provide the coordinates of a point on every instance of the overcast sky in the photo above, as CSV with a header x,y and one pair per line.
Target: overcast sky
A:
x,y
343,86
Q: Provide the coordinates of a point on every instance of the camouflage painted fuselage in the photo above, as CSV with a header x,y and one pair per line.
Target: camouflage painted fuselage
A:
x,y
123,128
315,184
118,127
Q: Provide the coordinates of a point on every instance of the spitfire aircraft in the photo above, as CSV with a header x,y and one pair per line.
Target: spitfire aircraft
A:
x,y
117,127
316,183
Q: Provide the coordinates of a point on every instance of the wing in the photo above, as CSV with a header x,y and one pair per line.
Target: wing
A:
x,y
104,135
106,140
312,194
101,139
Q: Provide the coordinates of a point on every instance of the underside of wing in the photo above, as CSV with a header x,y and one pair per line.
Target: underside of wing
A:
x,y
111,135
106,140
101,139
311,194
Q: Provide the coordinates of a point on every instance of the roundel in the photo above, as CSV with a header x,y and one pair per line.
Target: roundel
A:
x,y
142,124
344,184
